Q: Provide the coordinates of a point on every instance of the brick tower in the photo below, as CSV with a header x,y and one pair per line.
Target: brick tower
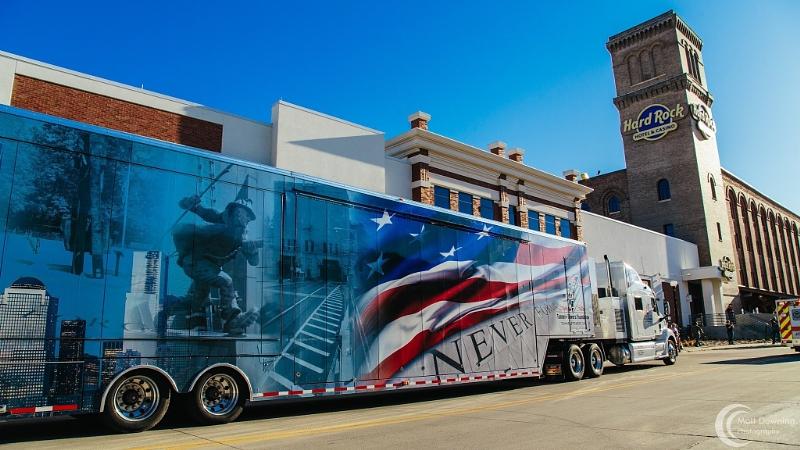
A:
x,y
673,168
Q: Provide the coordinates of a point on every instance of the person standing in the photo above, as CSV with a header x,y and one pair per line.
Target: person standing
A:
x,y
773,323
730,322
697,331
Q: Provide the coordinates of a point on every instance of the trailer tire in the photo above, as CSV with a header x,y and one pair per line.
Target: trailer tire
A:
x,y
594,360
136,402
217,397
574,363
672,353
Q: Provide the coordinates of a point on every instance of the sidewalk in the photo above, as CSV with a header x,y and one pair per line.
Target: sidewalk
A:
x,y
723,345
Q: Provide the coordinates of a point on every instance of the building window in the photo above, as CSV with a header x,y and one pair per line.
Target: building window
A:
x,y
512,215
465,203
713,184
669,229
585,206
719,233
487,208
533,220
549,224
663,190
613,205
566,228
441,197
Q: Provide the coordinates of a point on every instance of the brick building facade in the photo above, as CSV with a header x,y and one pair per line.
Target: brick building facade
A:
x,y
496,184
96,109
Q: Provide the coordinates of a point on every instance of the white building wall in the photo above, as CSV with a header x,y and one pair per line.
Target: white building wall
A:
x,y
398,177
323,146
655,256
7,69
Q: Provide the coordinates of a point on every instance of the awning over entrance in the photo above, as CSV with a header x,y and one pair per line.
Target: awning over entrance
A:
x,y
711,279
704,273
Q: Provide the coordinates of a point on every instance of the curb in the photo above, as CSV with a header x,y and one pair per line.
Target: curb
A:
x,y
729,347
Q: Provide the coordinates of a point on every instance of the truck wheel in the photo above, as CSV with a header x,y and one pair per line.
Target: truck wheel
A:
x,y
672,353
217,398
594,360
136,402
574,363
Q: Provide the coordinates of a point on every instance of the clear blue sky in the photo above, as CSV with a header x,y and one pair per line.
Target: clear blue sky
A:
x,y
536,75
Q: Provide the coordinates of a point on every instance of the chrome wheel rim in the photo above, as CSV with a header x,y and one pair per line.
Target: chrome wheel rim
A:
x,y
219,394
597,361
576,363
137,398
672,352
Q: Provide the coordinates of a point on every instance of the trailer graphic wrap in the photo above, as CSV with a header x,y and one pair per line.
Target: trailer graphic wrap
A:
x,y
120,252
479,287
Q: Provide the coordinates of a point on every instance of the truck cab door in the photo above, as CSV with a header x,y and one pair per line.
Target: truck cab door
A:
x,y
653,323
646,321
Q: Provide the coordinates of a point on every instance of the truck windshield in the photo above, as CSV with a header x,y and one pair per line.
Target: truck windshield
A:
x,y
632,276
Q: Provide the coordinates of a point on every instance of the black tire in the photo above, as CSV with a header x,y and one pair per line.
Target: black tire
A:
x,y
136,402
217,397
593,356
87,420
672,353
574,363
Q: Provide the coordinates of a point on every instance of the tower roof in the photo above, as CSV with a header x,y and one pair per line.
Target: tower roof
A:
x,y
650,27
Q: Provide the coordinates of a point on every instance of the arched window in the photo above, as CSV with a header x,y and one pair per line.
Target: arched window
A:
x,y
752,276
646,60
713,183
634,70
780,282
796,254
663,189
759,246
656,57
768,245
613,204
585,206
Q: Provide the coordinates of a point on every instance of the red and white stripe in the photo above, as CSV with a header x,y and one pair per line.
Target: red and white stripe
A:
x,y
43,409
454,379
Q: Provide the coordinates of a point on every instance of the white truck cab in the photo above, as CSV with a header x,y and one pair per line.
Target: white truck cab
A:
x,y
630,322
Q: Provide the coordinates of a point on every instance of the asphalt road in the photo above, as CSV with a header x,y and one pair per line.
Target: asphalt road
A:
x,y
646,405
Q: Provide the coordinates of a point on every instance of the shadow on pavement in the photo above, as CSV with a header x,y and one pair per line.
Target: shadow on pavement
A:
x,y
760,360
637,367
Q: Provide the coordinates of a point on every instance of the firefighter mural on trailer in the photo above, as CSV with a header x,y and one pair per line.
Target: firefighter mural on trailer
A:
x,y
202,251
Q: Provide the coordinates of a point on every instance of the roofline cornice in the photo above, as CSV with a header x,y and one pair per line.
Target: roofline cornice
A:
x,y
680,82
408,142
651,27
767,199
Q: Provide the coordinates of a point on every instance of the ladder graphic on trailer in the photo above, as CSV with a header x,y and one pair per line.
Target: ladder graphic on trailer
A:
x,y
312,351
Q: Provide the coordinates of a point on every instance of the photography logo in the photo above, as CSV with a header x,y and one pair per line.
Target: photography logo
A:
x,y
724,422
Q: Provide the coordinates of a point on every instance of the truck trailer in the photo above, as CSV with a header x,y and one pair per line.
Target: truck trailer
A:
x,y
156,270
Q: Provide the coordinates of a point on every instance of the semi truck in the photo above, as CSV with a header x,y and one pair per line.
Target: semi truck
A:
x,y
630,325
227,283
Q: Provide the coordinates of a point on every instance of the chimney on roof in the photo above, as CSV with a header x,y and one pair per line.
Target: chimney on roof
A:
x,y
572,175
516,154
498,148
419,120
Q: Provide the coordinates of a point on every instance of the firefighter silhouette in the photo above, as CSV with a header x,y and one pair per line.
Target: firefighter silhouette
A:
x,y
204,249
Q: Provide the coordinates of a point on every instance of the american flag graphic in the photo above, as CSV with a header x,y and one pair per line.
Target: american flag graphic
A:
x,y
426,282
